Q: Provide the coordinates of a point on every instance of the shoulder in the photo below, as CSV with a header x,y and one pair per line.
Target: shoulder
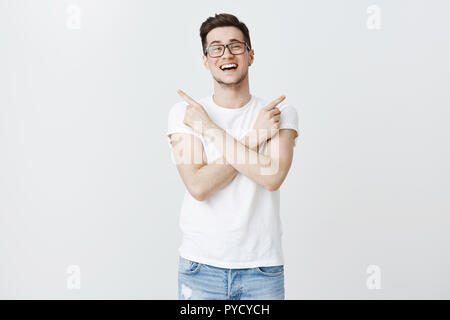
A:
x,y
178,108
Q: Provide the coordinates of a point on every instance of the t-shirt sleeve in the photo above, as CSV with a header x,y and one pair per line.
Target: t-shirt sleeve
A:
x,y
289,119
175,122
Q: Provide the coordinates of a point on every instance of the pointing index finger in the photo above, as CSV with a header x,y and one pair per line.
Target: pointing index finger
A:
x,y
187,98
274,103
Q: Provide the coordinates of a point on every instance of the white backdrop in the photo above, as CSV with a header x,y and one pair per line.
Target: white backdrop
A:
x,y
89,196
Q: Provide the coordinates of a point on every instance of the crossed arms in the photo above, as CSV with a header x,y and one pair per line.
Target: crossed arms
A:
x,y
203,179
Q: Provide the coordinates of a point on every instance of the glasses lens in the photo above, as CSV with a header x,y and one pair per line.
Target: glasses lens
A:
x,y
237,48
215,51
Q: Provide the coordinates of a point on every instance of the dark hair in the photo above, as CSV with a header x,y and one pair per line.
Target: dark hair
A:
x,y
223,20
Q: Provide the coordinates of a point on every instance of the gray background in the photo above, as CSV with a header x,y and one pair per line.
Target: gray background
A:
x,y
86,176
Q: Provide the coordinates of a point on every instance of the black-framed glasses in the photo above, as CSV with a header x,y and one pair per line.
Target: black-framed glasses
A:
x,y
235,47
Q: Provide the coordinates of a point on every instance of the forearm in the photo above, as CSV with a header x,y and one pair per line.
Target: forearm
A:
x,y
258,167
214,176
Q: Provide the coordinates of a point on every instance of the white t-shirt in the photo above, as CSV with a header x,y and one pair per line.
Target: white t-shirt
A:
x,y
239,226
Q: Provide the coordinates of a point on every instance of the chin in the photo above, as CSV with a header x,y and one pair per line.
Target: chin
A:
x,y
237,79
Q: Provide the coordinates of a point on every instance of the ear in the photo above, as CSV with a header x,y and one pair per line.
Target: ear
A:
x,y
205,61
251,57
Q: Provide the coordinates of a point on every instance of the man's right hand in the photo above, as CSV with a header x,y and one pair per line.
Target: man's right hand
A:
x,y
268,122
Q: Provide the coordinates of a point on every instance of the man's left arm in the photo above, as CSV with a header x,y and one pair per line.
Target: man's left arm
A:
x,y
268,169
286,146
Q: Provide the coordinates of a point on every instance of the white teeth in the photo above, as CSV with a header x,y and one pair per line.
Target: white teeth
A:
x,y
228,66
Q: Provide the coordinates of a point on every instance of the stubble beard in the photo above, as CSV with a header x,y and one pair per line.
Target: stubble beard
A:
x,y
237,83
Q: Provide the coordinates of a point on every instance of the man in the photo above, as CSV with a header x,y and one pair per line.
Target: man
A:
x,y
230,216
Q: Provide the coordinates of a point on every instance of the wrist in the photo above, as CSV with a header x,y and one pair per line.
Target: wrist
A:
x,y
251,140
210,125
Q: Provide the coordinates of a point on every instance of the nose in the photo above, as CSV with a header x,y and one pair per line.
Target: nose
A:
x,y
227,52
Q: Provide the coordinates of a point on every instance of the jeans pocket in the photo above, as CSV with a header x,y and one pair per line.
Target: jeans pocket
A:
x,y
271,271
186,266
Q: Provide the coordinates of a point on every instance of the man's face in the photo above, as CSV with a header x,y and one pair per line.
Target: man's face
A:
x,y
226,35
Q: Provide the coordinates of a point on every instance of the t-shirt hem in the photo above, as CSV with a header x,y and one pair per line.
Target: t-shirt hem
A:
x,y
288,126
195,134
291,126
232,265
182,131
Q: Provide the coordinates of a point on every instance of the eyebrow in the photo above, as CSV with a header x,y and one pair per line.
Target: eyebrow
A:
x,y
231,40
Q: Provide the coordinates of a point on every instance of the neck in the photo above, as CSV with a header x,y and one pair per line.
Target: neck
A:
x,y
232,96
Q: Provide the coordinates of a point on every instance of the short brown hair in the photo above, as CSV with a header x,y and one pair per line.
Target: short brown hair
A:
x,y
223,20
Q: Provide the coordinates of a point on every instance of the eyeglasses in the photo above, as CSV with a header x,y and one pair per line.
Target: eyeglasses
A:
x,y
217,50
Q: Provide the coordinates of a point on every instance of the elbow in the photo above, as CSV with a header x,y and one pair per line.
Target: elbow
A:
x,y
273,186
274,182
200,197
198,194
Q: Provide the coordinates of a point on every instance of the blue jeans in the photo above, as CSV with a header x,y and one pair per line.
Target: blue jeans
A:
x,y
199,281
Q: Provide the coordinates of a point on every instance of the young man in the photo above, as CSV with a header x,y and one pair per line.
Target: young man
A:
x,y
230,217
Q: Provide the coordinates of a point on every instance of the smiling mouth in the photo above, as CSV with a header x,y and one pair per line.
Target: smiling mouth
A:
x,y
228,67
